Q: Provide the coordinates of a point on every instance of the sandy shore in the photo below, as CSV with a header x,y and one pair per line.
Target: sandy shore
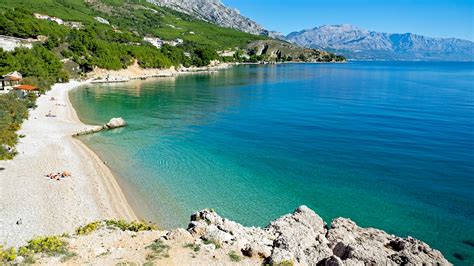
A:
x,y
32,204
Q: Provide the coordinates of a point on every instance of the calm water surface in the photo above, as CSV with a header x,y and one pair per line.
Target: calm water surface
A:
x,y
390,145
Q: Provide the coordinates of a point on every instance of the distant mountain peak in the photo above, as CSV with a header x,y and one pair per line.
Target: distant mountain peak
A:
x,y
338,26
216,12
358,43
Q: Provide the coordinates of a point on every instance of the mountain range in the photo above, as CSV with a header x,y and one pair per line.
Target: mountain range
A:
x,y
356,43
348,40
214,11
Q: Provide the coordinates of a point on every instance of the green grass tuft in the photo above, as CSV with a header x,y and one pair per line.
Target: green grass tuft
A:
x,y
134,226
234,257
88,228
159,249
216,243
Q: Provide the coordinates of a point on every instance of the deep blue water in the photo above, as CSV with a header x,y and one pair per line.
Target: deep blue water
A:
x,y
390,145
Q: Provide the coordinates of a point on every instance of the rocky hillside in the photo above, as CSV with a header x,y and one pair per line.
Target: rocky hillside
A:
x,y
216,12
276,50
301,238
356,43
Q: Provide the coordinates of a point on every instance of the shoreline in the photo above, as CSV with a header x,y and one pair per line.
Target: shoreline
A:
x,y
33,204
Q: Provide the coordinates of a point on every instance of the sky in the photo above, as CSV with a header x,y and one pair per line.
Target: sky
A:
x,y
435,18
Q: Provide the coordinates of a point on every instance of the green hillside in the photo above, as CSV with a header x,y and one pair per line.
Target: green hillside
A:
x,y
139,17
112,46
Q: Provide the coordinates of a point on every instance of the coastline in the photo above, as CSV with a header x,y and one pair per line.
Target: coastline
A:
x,y
31,203
135,72
34,205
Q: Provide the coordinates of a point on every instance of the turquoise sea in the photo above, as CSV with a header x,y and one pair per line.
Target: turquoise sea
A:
x,y
387,144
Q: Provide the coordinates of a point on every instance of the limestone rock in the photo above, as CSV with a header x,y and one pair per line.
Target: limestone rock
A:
x,y
303,238
116,122
208,225
300,237
179,233
372,246
331,261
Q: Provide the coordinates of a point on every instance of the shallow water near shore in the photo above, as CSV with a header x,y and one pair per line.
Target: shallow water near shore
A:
x,y
389,145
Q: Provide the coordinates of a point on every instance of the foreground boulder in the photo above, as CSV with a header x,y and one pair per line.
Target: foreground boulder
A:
x,y
303,238
354,244
115,122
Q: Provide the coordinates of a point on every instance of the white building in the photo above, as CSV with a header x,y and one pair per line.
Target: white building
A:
x,y
46,17
157,42
102,20
174,42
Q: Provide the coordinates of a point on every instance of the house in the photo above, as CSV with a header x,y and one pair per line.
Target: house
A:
x,y
22,90
46,17
176,42
157,42
9,80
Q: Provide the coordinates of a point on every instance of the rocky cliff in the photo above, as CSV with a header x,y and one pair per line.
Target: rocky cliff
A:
x,y
356,43
216,12
300,238
276,50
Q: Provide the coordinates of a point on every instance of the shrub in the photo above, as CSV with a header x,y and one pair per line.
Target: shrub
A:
x,y
51,245
192,246
158,249
212,241
132,226
7,255
12,113
88,228
286,263
234,257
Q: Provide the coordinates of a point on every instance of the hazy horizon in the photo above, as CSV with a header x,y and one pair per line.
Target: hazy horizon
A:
x,y
438,19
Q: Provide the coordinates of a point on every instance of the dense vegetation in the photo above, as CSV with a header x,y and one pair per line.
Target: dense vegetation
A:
x,y
12,113
102,45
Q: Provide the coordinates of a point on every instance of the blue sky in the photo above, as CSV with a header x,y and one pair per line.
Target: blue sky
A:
x,y
435,18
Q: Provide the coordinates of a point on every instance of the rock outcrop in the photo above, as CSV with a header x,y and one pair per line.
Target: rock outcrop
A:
x,y
304,238
276,50
300,238
113,123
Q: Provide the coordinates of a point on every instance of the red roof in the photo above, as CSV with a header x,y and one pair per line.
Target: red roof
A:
x,y
13,78
25,88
